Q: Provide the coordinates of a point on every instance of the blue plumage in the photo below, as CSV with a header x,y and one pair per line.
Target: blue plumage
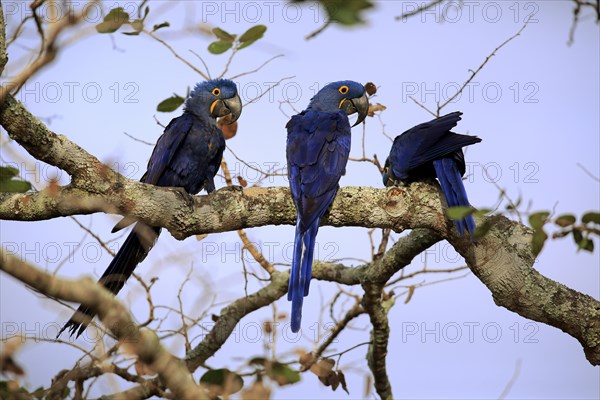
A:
x,y
430,150
318,146
187,155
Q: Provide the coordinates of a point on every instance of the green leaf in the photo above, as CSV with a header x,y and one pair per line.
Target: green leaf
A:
x,y
137,25
577,236
160,26
537,241
14,186
7,173
252,35
457,213
346,12
170,104
223,35
565,220
591,216
586,244
113,21
282,374
538,219
219,47
8,184
482,229
223,381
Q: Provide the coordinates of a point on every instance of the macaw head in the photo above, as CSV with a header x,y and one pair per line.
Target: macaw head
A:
x,y
217,98
348,96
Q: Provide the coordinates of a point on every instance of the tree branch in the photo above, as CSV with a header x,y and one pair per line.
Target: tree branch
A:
x,y
142,342
502,260
380,334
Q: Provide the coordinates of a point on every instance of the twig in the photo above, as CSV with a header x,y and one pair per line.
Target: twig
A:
x,y
257,68
423,106
47,54
139,140
352,313
424,7
588,172
474,73
203,62
512,381
318,31
186,62
268,89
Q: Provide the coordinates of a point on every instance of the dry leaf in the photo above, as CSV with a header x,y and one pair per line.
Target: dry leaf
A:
x,y
256,391
323,367
229,130
373,108
10,347
307,358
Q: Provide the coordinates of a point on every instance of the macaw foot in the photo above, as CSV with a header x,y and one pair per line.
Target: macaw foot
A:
x,y
185,196
233,188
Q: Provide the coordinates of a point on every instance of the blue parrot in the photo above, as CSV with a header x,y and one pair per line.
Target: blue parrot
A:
x,y
430,150
318,145
187,155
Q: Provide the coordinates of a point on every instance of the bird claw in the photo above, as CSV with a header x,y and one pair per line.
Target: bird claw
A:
x,y
185,196
234,188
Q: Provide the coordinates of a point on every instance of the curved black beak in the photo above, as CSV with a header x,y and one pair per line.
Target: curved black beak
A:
x,y
223,107
358,105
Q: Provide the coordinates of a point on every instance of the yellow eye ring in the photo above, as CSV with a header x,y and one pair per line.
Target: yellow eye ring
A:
x,y
386,170
343,89
216,91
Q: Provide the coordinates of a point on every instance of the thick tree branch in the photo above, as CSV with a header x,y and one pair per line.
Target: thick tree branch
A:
x,y
3,54
232,314
502,260
142,342
380,334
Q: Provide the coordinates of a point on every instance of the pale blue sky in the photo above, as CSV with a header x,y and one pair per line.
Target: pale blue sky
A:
x,y
535,105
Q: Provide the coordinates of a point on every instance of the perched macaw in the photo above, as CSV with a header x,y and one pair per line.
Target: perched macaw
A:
x,y
318,145
430,150
187,155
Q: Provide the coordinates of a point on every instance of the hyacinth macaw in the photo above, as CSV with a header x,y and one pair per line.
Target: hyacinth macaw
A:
x,y
318,145
430,150
187,155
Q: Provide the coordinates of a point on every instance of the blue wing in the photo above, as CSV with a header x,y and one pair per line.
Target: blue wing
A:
x,y
318,147
166,147
427,142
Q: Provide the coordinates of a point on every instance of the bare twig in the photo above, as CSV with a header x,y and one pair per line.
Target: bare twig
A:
x,y
257,68
423,7
512,381
474,73
168,46
318,31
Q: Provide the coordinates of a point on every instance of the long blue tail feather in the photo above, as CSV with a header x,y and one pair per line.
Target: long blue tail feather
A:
x,y
296,262
454,191
134,250
309,251
301,273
